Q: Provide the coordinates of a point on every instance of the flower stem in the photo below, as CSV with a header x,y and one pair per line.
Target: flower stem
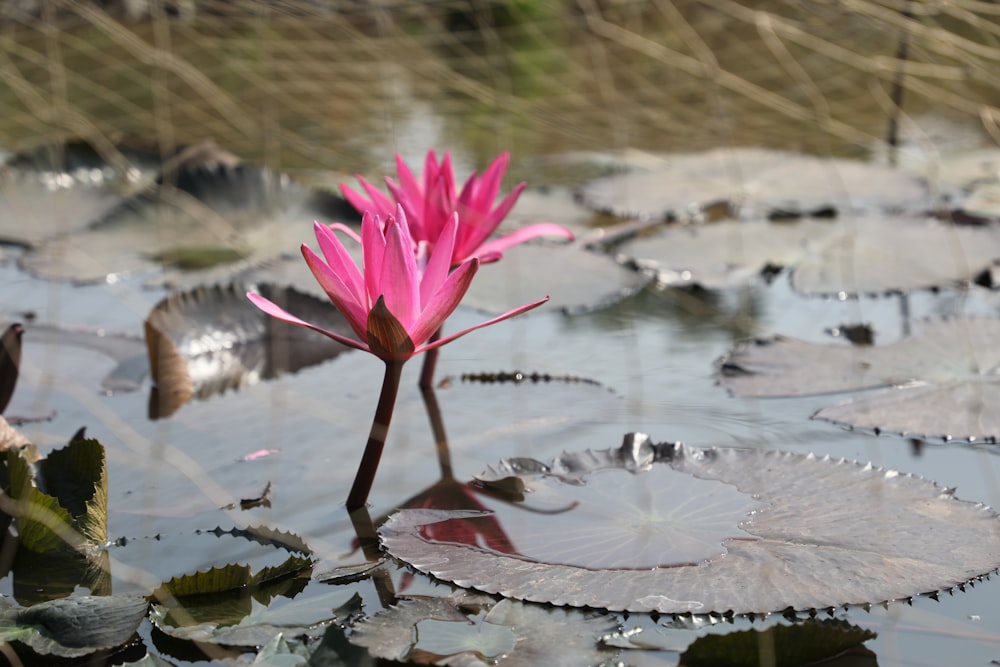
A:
x,y
376,438
430,362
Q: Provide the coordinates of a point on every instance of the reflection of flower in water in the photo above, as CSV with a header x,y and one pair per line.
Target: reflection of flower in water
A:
x,y
476,526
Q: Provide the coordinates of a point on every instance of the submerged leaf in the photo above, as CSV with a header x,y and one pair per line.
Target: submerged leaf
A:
x,y
940,382
807,534
476,630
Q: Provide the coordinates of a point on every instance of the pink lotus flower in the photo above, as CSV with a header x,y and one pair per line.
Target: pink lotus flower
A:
x,y
402,294
429,207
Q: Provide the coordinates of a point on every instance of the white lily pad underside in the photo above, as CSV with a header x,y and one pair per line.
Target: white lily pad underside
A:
x,y
828,533
844,257
942,382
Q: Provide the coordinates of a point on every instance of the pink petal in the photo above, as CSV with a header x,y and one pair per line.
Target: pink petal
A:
x,y
372,251
486,223
279,313
407,181
521,235
341,227
355,312
376,203
400,280
444,302
340,262
508,314
413,204
489,186
501,211
432,170
440,261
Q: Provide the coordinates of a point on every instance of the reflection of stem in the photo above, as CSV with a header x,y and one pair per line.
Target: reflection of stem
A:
x,y
515,499
430,363
368,539
376,438
437,427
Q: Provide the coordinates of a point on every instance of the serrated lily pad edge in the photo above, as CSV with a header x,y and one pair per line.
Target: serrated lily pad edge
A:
x,y
636,454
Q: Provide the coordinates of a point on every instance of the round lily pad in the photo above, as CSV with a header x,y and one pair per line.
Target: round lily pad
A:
x,y
212,339
755,182
575,280
807,533
845,257
941,382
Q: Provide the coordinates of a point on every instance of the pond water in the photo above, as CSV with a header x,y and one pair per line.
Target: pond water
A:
x,y
566,89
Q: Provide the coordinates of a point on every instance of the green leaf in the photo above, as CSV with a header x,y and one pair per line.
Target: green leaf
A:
x,y
77,476
224,595
301,617
74,626
43,526
802,644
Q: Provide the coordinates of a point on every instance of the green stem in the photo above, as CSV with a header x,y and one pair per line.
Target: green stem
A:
x,y
376,438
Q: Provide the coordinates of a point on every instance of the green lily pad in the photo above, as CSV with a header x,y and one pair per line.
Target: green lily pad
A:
x,y
74,626
806,643
61,501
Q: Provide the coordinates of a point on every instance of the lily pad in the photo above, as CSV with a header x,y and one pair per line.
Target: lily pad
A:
x,y
575,280
74,626
475,630
941,382
57,191
753,183
221,216
807,643
10,362
258,624
807,533
848,257
212,339
61,500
